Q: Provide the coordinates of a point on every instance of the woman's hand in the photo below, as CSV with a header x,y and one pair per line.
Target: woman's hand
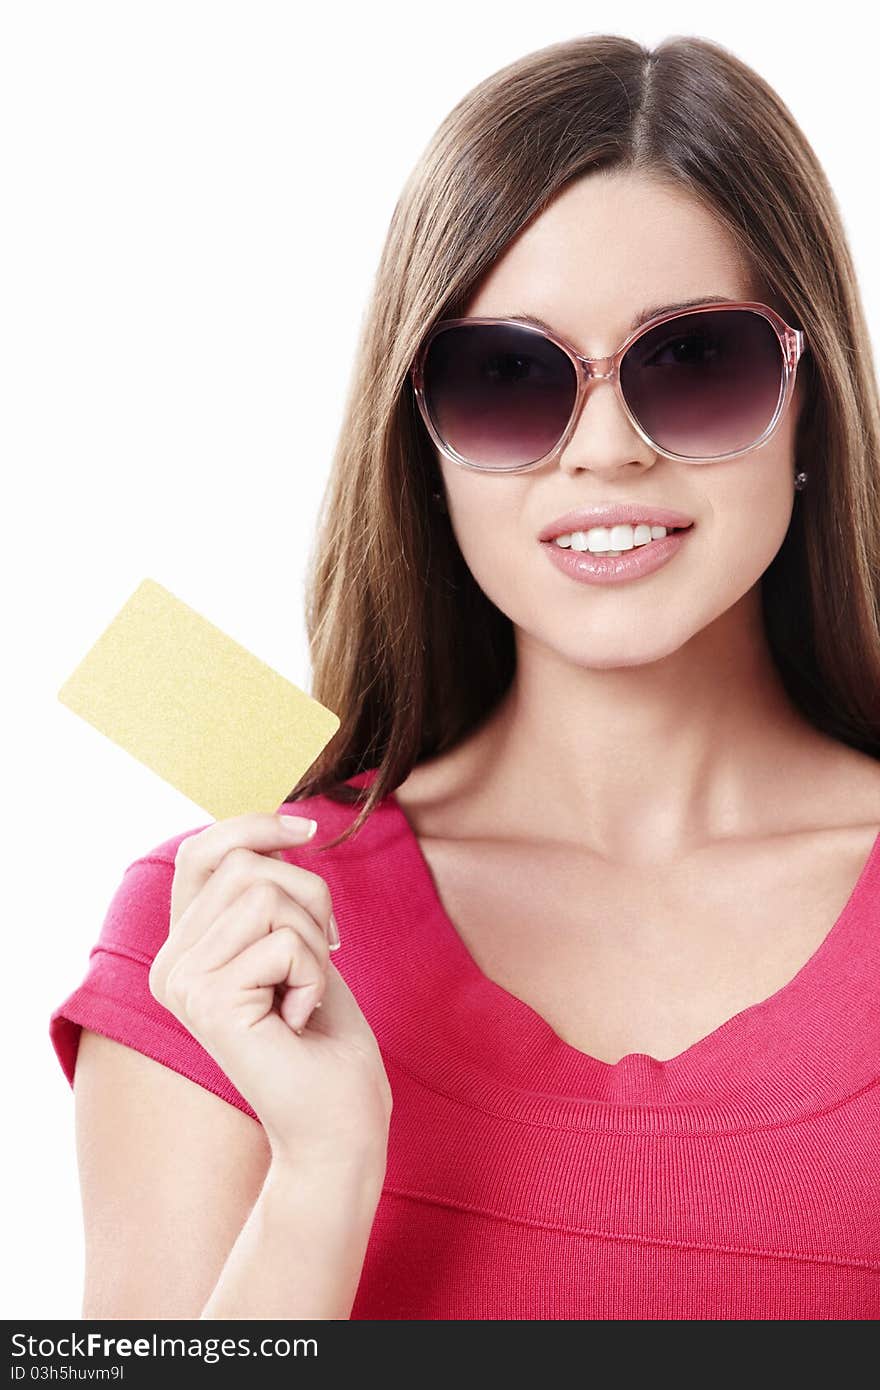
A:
x,y
245,964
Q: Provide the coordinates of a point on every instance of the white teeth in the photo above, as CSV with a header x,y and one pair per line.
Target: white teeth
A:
x,y
611,540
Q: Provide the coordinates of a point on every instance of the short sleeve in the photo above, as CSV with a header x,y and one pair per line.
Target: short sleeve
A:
x,y
114,996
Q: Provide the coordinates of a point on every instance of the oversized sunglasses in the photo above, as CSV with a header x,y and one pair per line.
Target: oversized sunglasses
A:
x,y
700,385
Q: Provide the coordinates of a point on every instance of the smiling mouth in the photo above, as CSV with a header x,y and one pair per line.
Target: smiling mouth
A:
x,y
579,541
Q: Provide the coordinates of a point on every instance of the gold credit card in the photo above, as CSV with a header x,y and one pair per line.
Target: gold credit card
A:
x,y
196,707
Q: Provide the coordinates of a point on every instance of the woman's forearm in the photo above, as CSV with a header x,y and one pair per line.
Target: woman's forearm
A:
x,y
301,1250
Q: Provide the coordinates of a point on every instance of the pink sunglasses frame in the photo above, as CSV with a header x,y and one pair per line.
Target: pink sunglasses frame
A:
x,y
792,342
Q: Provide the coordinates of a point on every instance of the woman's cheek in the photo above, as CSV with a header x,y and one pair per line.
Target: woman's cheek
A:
x,y
496,567
729,560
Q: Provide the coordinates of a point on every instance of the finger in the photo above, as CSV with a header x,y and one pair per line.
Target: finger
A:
x,y
238,870
279,961
282,958
262,908
340,1015
199,855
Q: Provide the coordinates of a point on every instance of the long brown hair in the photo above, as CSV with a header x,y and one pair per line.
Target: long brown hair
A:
x,y
405,647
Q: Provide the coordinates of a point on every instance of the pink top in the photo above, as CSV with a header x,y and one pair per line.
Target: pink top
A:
x,y
526,1179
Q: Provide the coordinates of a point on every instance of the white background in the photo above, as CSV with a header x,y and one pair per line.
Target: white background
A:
x,y
194,200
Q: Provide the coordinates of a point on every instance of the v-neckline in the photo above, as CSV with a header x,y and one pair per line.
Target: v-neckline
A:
x,y
794,1034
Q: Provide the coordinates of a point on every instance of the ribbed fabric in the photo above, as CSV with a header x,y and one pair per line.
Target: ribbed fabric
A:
x,y
526,1179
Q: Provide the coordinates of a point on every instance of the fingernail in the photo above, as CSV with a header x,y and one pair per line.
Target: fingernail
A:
x,y
299,826
310,1010
335,943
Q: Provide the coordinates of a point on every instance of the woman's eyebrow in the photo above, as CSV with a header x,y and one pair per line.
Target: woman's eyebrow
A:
x,y
644,314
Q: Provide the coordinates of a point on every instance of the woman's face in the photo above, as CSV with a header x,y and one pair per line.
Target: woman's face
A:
x,y
609,246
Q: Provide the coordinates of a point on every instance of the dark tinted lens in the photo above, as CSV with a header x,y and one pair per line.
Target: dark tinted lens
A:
x,y
705,384
499,395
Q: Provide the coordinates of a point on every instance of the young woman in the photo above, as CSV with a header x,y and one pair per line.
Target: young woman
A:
x,y
596,595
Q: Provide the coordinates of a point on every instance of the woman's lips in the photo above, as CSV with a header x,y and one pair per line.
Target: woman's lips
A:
x,y
588,568
613,514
